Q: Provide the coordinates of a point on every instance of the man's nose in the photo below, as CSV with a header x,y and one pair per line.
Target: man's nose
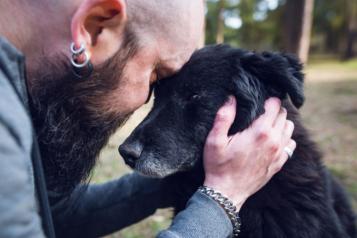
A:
x,y
131,152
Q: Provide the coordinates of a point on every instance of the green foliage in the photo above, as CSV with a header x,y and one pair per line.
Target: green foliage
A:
x,y
258,28
259,24
330,25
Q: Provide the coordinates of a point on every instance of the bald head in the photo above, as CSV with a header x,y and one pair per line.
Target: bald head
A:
x,y
167,19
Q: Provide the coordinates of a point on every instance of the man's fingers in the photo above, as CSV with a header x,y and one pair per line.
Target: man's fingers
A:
x,y
263,125
288,131
224,120
291,146
280,121
285,137
272,108
278,165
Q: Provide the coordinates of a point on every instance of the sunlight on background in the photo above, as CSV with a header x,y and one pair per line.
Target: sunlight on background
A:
x,y
233,19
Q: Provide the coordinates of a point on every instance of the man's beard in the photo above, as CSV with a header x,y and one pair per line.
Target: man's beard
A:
x,y
69,120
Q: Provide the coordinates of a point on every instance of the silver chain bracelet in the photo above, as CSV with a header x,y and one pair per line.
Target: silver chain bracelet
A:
x,y
227,205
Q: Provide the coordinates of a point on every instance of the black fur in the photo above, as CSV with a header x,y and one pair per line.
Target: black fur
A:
x,y
301,201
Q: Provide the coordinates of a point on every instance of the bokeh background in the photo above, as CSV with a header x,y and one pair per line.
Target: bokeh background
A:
x,y
323,33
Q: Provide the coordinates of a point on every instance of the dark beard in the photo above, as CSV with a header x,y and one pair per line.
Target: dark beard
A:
x,y
70,124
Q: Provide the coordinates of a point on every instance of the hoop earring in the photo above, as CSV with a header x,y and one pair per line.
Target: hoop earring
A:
x,y
80,70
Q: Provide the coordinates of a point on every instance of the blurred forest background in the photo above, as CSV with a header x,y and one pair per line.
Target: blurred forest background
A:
x,y
302,27
323,33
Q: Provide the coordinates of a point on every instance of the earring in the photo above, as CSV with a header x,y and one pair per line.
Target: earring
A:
x,y
84,69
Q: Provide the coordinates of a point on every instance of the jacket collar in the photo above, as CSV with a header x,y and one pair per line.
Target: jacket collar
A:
x,y
12,64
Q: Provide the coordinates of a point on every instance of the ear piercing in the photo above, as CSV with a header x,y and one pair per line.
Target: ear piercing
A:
x,y
81,70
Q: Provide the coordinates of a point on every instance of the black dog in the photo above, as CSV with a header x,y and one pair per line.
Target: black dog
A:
x,y
301,201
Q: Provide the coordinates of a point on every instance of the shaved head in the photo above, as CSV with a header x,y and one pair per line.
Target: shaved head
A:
x,y
166,18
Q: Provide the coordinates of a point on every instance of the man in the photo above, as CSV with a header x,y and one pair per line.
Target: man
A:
x,y
119,49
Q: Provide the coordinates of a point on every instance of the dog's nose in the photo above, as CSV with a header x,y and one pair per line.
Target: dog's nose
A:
x,y
131,152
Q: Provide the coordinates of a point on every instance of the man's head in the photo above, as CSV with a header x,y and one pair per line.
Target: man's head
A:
x,y
131,44
171,138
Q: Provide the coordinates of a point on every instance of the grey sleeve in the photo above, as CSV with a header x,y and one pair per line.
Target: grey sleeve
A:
x,y
203,217
98,210
18,214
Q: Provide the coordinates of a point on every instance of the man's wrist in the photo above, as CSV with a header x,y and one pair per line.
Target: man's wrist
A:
x,y
237,199
228,206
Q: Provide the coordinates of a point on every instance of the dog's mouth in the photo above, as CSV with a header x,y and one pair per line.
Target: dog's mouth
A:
x,y
156,164
153,168
149,164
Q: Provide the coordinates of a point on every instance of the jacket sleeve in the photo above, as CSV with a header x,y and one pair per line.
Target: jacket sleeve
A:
x,y
203,217
98,210
18,216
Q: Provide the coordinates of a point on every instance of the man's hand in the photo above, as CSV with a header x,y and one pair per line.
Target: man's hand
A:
x,y
238,166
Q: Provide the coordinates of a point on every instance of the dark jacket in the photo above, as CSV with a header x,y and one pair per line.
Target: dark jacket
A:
x,y
91,211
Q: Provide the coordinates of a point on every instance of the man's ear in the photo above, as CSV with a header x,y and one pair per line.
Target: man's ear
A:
x,y
280,73
100,26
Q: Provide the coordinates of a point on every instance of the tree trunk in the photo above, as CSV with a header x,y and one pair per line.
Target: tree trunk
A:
x,y
297,28
220,22
352,30
304,44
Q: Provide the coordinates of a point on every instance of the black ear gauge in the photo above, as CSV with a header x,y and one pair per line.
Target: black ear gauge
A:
x,y
82,70
83,73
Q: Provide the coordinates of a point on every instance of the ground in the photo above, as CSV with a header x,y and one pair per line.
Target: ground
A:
x,y
330,113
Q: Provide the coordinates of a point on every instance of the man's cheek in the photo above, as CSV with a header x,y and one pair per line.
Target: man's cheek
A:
x,y
133,90
127,98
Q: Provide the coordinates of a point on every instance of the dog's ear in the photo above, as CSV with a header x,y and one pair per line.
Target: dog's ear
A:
x,y
281,74
250,100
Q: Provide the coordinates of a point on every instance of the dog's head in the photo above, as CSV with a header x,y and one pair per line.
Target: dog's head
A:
x,y
172,136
